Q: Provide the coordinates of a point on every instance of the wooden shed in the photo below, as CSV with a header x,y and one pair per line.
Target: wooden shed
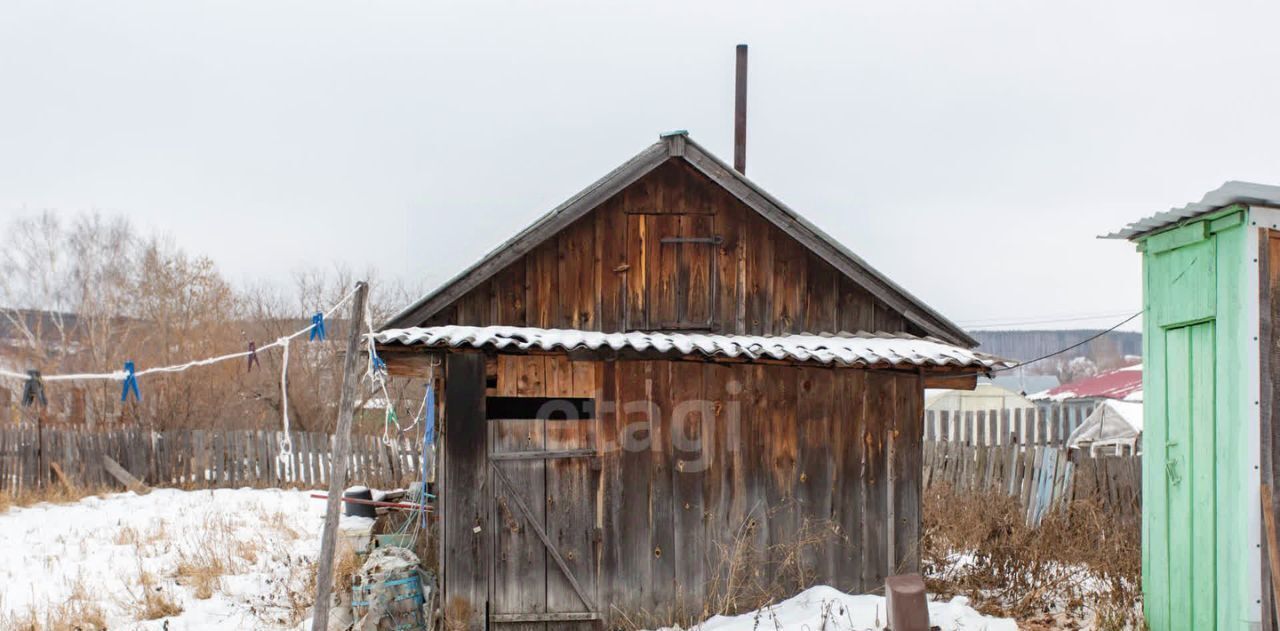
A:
x,y
668,392
1211,294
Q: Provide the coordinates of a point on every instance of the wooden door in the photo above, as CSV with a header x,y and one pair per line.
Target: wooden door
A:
x,y
675,285
542,479
1187,553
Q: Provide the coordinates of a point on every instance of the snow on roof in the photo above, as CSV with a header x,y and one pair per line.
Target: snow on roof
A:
x,y
859,349
1111,423
1130,410
1121,383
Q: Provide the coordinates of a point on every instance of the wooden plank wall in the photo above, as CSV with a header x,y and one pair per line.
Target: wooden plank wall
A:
x,y
544,376
195,458
732,480
610,271
1042,478
464,494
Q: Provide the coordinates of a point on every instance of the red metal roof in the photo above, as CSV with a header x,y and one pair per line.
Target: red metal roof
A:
x,y
1121,383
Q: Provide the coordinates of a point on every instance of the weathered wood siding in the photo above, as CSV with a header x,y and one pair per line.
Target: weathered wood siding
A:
x,y
806,475
611,271
793,476
464,560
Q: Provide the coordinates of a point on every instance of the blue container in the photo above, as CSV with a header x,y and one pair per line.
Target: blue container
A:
x,y
404,607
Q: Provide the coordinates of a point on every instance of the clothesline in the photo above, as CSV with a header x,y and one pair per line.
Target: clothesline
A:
x,y
121,375
376,373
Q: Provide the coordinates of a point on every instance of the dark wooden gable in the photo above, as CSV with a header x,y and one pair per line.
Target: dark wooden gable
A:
x,y
674,251
674,239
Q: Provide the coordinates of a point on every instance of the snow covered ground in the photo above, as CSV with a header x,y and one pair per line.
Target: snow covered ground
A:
x,y
833,610
242,559
228,558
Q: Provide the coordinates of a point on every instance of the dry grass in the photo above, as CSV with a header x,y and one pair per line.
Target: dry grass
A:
x,y
126,536
202,570
279,522
148,599
68,616
198,559
52,493
214,552
292,591
1079,563
297,593
79,612
346,564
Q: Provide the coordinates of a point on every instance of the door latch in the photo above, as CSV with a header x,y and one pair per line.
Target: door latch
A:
x,y
1171,471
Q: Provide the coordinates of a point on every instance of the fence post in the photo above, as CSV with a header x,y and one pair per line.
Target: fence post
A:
x,y
342,445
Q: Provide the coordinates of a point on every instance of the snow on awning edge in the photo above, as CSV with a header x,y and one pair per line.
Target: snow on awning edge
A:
x,y
849,350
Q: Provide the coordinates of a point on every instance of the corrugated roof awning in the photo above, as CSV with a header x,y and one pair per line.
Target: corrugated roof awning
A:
x,y
1233,192
852,350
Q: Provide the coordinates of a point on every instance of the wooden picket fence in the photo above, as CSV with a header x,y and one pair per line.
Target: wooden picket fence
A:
x,y
1045,424
196,458
1042,478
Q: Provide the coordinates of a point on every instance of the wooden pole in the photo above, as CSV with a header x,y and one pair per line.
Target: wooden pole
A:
x,y
341,453
41,474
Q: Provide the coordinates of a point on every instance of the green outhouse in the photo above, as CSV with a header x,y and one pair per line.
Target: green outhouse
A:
x,y
1210,272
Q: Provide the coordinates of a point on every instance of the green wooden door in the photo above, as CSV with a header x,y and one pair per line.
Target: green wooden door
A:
x,y
1188,560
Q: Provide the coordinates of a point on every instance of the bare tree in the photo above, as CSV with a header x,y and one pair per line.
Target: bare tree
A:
x,y
89,294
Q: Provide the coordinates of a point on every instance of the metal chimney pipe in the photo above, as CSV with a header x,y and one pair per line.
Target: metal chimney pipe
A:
x,y
740,113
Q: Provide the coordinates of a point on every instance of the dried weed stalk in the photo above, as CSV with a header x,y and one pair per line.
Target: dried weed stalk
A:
x,y
1081,565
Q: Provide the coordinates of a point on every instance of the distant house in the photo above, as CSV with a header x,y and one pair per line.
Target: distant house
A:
x,y
1077,401
1121,384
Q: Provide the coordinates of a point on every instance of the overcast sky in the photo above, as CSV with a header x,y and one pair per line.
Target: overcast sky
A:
x,y
969,150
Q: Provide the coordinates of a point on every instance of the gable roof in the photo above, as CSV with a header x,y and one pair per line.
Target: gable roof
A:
x,y
679,145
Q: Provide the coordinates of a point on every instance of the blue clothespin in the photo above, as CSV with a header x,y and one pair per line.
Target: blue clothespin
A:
x,y
317,327
253,357
33,390
130,383
429,423
379,366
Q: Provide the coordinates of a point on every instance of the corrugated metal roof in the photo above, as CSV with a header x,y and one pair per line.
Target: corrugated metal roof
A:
x,y
1230,193
860,349
1121,383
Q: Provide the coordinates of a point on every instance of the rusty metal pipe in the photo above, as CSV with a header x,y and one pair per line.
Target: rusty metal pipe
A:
x,y
740,113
